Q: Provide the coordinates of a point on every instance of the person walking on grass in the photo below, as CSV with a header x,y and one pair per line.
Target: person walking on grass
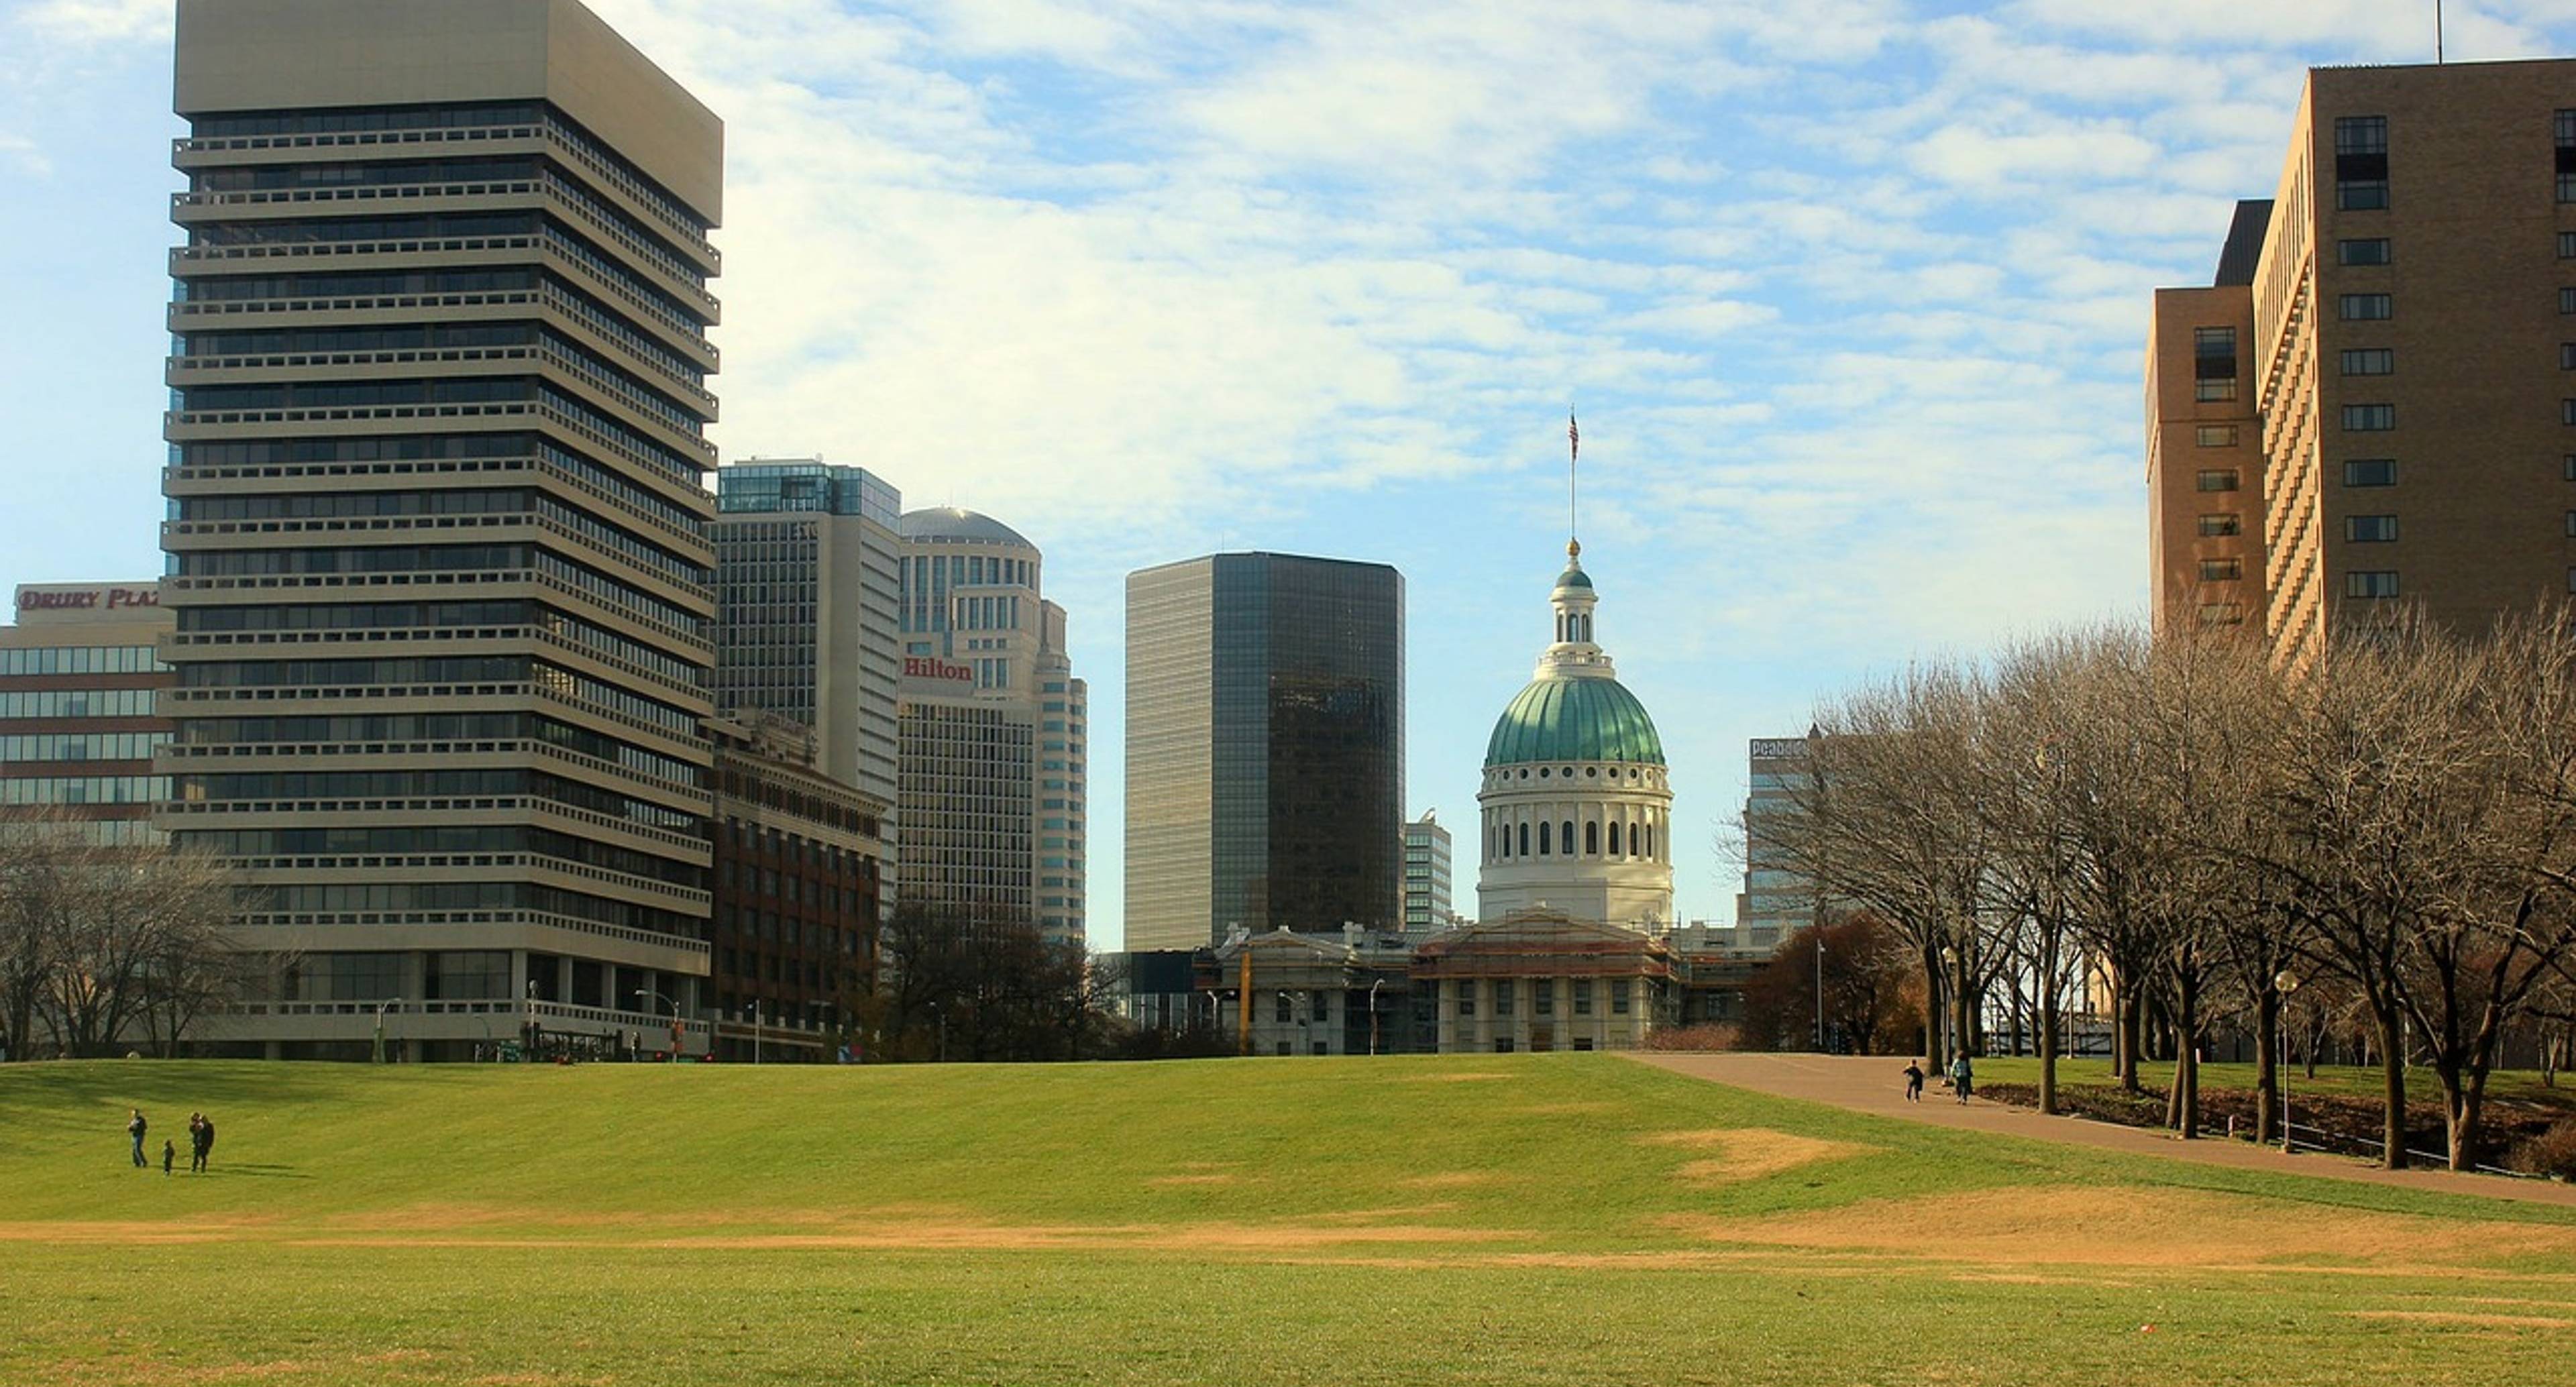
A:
x,y
203,1143
1914,1081
169,1156
1963,1077
135,1127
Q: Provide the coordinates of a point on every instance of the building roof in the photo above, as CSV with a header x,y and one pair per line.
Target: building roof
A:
x,y
949,522
1574,720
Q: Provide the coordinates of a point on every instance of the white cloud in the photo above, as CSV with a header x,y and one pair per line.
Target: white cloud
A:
x,y
99,21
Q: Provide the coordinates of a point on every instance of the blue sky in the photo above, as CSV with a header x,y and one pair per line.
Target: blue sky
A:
x,y
1851,296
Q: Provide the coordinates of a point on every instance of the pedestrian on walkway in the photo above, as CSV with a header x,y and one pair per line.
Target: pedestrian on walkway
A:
x,y
1914,1081
1963,1077
135,1127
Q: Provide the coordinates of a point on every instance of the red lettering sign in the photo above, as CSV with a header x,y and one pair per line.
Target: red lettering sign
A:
x,y
55,601
931,667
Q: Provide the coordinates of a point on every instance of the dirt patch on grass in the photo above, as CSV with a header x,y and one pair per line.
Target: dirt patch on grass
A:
x,y
198,1231
1208,1177
1749,1153
2138,1227
1468,1078
1567,1109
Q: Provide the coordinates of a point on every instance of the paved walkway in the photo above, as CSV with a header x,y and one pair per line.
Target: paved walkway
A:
x,y
1875,1085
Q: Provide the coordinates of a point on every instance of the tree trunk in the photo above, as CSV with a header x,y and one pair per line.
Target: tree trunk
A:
x,y
2131,1021
2392,1068
2047,1049
1935,1052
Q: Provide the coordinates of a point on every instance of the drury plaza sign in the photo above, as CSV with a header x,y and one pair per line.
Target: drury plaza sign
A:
x,y
66,602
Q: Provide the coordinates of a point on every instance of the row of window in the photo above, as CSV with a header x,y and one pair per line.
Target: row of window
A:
x,y
77,703
81,659
82,746
1505,992
1560,841
85,789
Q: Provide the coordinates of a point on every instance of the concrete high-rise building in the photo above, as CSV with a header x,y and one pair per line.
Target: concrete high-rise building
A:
x,y
1426,875
438,538
79,677
806,591
1576,806
1265,747
1777,900
993,726
2379,404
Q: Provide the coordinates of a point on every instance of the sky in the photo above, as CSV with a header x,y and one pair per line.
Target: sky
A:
x,y
1850,295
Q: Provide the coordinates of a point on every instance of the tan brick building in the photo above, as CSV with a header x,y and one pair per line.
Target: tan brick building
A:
x,y
2375,400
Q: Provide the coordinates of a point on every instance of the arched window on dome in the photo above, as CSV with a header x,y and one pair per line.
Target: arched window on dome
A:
x,y
1614,837
1568,839
1649,831
1524,840
1592,837
1543,827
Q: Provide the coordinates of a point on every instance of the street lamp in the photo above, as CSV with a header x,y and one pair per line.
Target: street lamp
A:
x,y
752,1009
1373,987
643,992
380,1025
940,1014
2285,982
1820,988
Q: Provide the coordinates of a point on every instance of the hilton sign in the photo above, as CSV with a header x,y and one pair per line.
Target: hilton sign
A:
x,y
69,602
931,669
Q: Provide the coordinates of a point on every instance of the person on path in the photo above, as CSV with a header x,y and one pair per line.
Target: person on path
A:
x,y
169,1156
135,1128
1914,1081
1963,1077
204,1143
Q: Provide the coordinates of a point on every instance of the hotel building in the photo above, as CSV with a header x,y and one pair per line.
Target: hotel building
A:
x,y
1427,854
992,727
2376,401
438,539
80,675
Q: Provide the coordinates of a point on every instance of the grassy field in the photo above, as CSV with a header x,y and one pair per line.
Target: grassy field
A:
x,y
1484,1220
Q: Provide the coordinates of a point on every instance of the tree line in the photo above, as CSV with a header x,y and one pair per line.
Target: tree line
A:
x,y
108,947
2206,841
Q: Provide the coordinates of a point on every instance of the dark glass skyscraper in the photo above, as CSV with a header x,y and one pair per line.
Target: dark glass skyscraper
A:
x,y
1265,747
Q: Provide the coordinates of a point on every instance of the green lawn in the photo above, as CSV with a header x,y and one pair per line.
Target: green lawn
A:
x,y
1489,1220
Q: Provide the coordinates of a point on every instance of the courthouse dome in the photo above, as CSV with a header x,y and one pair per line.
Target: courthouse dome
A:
x,y
1558,720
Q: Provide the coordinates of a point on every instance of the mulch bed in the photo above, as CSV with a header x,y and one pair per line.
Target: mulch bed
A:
x,y
2349,1125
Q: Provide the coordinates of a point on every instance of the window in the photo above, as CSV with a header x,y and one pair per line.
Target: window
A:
x,y
1543,997
1284,1015
2567,413
1466,998
2209,391
2219,526
2567,356
2213,365
2218,479
2370,472
2567,245
2367,250
2567,300
2370,529
2369,418
2569,464
1505,996
1525,840
2365,308
2361,162
1544,835
1592,837
2370,585
2221,570
1619,996
1502,1045
2564,128
2370,361
1583,986
2571,524
2221,614
2214,436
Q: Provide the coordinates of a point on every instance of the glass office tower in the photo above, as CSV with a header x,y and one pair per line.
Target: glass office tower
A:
x,y
438,540
1265,747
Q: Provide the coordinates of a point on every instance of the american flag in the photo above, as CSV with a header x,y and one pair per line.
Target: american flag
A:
x,y
1573,436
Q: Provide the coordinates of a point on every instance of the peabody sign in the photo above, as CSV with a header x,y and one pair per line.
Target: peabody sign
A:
x,y
68,602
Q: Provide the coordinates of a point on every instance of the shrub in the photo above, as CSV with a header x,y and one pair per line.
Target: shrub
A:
x,y
1708,1035
2553,1152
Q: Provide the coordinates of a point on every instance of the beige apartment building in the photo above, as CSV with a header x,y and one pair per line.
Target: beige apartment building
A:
x,y
2374,402
438,544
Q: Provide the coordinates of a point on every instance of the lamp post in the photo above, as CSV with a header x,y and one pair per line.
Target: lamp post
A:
x,y
752,1009
643,992
1373,987
380,1025
939,1014
1820,987
2285,982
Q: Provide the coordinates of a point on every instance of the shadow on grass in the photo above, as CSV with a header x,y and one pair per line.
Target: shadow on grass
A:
x,y
263,1172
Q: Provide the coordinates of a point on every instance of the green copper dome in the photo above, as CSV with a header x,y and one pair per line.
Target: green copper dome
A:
x,y
1574,720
